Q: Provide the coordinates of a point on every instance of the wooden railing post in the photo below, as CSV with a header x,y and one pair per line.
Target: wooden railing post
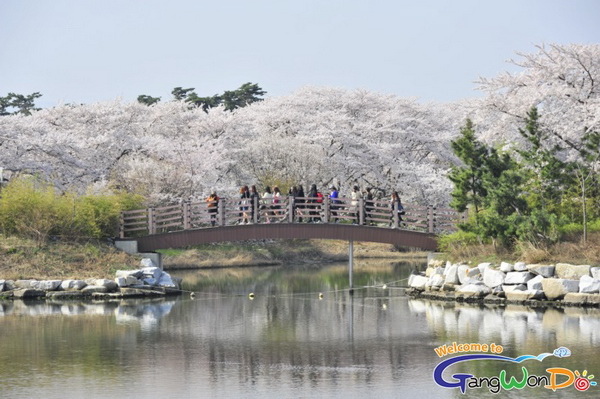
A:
x,y
151,226
290,209
122,226
431,218
221,212
255,210
326,209
361,211
395,217
186,215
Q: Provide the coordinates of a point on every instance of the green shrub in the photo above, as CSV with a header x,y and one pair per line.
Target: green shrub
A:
x,y
458,239
30,207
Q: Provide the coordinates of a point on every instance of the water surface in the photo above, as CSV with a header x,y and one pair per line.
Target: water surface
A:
x,y
285,341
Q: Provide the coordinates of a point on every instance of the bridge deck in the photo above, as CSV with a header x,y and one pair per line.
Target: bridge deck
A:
x,y
180,239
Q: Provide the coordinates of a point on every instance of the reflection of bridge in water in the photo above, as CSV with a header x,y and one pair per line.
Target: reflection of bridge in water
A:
x,y
189,223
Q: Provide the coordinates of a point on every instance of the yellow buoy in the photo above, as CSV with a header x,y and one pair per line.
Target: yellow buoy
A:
x,y
384,286
192,295
320,295
251,295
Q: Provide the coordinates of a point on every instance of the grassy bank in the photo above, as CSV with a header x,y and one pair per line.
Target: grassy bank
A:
x,y
27,259
572,250
257,253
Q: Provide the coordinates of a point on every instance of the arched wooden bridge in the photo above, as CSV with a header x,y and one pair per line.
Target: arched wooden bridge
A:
x,y
190,223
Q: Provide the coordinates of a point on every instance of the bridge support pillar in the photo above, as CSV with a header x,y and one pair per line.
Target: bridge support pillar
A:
x,y
351,264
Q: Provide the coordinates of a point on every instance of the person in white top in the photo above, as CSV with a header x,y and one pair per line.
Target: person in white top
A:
x,y
355,196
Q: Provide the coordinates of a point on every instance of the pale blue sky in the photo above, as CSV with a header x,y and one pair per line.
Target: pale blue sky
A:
x,y
83,51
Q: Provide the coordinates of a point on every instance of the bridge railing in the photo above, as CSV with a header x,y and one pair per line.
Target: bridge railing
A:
x,y
286,209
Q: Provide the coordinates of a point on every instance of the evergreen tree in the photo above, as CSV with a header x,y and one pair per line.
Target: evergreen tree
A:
x,y
148,100
19,103
469,188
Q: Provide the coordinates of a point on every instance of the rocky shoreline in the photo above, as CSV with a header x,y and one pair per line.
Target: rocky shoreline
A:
x,y
535,285
148,281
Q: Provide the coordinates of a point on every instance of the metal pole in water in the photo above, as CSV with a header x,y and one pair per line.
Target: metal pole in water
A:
x,y
350,264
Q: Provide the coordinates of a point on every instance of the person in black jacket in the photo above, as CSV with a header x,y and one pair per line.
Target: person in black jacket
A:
x,y
313,194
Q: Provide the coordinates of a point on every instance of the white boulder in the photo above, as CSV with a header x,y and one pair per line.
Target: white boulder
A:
x,y
517,277
493,278
146,262
517,287
557,288
506,267
572,272
152,272
542,270
520,266
166,281
535,283
452,275
589,285
72,285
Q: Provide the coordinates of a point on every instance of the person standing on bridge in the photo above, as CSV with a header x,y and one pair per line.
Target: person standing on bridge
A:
x,y
333,196
244,202
267,203
397,209
355,196
299,202
313,195
254,202
213,207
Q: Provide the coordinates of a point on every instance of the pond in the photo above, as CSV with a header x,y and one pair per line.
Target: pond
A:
x,y
300,335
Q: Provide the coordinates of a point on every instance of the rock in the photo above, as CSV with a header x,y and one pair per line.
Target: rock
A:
x,y
150,281
517,277
527,295
109,284
546,271
436,280
520,267
571,272
91,289
29,293
576,298
511,288
166,281
46,285
152,272
557,288
462,273
9,285
126,273
535,283
2,285
417,281
473,290
24,284
127,281
146,262
484,266
493,278
435,262
72,294
72,285
452,275
589,285
428,272
506,267
595,272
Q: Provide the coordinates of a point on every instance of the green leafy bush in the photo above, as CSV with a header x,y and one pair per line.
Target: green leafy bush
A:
x,y
30,207
458,239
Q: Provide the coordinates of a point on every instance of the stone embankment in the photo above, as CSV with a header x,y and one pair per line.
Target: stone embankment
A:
x,y
148,281
519,283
